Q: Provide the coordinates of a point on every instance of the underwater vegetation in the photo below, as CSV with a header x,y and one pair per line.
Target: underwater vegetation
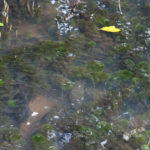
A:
x,y
93,71
45,139
102,77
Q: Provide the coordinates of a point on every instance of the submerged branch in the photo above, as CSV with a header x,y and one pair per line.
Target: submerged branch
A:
x,y
119,5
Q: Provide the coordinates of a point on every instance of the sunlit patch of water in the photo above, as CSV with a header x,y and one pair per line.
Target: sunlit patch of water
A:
x,y
65,13
101,5
103,143
64,138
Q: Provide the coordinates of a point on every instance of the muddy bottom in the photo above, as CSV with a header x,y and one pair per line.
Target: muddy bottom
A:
x,y
38,107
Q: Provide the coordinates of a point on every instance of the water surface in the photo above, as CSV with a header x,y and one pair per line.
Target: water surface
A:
x,y
66,85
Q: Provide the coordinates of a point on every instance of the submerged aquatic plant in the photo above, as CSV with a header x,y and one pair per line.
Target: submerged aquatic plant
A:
x,y
39,141
61,82
11,103
1,82
123,75
143,70
103,126
91,43
52,148
145,147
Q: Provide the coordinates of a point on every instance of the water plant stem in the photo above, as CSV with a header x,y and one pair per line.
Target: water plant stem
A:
x,y
119,5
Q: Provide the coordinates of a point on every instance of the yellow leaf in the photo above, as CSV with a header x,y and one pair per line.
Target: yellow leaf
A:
x,y
1,24
110,29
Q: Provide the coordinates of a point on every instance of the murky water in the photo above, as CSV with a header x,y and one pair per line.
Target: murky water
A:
x,y
65,85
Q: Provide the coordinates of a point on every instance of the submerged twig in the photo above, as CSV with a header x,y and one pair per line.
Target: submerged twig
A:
x,y
119,5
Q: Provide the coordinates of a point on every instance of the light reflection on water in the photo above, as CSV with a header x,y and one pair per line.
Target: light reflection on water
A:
x,y
64,16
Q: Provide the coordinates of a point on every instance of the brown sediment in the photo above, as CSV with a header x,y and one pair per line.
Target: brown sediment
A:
x,y
40,105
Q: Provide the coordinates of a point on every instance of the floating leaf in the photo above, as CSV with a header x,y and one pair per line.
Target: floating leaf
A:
x,y
110,29
1,24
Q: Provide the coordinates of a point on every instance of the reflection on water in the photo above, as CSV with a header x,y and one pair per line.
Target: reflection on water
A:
x,y
65,85
66,11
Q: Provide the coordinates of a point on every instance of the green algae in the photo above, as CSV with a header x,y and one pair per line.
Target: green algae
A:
x,y
122,48
1,82
139,28
138,140
129,63
11,103
95,66
47,128
123,123
145,147
92,71
103,127
91,43
10,138
49,64
12,134
4,120
52,148
61,82
122,75
102,21
39,141
46,139
135,80
143,70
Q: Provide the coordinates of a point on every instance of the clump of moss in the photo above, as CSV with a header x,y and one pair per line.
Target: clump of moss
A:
x,y
143,71
139,28
95,66
85,131
86,136
135,80
91,44
138,140
123,123
39,141
52,148
129,63
11,103
90,137
101,20
135,20
87,27
51,49
103,126
92,71
46,139
147,42
123,75
122,48
1,82
46,128
11,134
98,76
4,120
61,82
145,147
146,9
